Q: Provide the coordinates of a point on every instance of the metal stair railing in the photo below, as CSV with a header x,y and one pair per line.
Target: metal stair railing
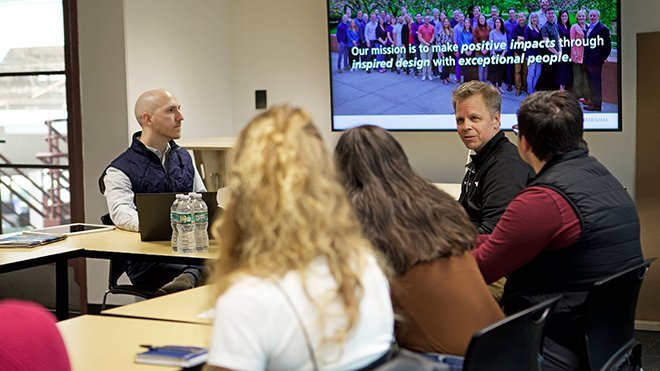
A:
x,y
22,221
21,173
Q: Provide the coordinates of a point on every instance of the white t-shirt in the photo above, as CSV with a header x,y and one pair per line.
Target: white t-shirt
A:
x,y
255,327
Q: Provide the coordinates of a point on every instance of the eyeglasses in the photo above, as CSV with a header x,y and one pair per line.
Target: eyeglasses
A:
x,y
515,129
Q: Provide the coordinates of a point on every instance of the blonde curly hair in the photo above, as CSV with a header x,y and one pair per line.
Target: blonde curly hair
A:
x,y
286,209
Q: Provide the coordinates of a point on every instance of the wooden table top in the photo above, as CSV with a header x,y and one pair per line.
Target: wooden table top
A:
x,y
110,343
184,306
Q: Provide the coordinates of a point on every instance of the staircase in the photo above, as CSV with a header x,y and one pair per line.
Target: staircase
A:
x,y
42,188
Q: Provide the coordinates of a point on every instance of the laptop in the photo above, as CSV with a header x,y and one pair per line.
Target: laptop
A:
x,y
154,214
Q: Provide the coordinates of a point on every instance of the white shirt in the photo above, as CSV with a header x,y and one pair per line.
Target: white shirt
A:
x,y
120,197
255,327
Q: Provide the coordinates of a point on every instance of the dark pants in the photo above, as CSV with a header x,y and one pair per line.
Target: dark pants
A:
x,y
151,276
510,74
594,72
558,357
372,51
548,78
352,58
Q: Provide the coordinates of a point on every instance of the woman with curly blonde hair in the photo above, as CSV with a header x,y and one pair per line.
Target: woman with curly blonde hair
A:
x,y
299,286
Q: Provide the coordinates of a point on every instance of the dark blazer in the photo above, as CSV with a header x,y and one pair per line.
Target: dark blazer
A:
x,y
599,54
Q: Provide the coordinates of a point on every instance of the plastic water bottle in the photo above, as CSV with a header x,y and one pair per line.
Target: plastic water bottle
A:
x,y
174,220
185,227
201,223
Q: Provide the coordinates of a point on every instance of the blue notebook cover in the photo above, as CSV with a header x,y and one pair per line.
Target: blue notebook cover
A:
x,y
173,355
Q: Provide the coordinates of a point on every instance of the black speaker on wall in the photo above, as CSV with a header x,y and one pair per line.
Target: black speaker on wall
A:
x,y
260,99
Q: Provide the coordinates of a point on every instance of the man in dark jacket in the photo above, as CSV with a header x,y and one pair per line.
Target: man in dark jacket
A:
x,y
153,163
573,225
595,57
495,173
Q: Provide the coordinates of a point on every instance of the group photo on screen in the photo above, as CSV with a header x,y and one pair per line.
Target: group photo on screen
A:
x,y
398,61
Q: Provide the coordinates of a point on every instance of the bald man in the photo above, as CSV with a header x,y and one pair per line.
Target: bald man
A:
x,y
154,163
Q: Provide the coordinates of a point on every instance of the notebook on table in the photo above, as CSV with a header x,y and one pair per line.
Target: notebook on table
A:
x,y
154,214
30,239
173,355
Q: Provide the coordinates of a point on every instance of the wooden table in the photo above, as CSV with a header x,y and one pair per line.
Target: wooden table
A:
x,y
100,245
453,189
110,343
184,306
127,245
12,259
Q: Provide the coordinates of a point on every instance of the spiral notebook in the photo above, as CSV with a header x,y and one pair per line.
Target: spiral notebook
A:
x,y
173,355
30,239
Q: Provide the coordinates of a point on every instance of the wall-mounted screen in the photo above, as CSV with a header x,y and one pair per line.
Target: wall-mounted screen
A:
x,y
394,63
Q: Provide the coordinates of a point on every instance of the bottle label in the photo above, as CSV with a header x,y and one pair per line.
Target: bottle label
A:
x,y
185,218
201,218
174,216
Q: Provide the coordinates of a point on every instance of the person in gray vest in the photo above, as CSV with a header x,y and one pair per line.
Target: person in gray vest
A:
x,y
154,163
571,226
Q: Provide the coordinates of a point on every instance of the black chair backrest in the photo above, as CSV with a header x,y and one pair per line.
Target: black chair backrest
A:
x,y
513,343
610,315
117,268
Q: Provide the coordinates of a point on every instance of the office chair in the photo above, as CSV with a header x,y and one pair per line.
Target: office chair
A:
x,y
116,270
513,343
610,320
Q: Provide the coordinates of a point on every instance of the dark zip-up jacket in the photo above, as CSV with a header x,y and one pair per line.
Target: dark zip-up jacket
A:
x,y
492,179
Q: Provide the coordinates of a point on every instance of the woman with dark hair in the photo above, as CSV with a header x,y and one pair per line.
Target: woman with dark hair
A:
x,y
426,237
564,69
381,41
405,41
481,33
466,38
445,39
497,38
390,42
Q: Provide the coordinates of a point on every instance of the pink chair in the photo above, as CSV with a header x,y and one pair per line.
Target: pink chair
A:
x,y
29,339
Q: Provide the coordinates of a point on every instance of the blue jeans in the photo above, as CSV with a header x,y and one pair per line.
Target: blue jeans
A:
x,y
343,55
533,74
455,362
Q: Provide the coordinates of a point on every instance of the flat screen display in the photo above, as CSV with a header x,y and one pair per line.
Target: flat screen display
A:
x,y
395,63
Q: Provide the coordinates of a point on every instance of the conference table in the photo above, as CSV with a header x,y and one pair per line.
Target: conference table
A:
x,y
100,245
111,343
184,306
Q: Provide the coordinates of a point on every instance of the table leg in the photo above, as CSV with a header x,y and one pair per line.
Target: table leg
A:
x,y
62,289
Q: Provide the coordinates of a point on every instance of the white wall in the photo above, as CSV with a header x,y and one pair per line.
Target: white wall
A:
x,y
103,98
103,94
183,46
